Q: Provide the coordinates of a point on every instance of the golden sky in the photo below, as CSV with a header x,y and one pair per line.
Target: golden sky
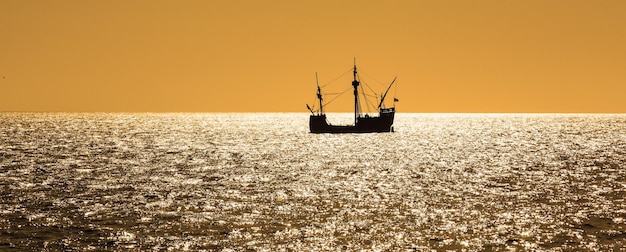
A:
x,y
221,56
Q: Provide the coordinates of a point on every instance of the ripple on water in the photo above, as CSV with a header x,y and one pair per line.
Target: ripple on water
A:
x,y
224,181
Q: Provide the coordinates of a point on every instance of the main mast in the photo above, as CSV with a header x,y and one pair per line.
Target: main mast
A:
x,y
355,84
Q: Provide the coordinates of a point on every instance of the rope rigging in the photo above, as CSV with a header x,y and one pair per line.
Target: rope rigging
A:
x,y
367,101
371,106
368,86
337,96
380,83
349,70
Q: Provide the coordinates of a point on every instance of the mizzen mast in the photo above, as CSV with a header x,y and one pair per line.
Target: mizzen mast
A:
x,y
382,98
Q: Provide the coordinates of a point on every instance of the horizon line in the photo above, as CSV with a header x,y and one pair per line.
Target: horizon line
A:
x,y
278,112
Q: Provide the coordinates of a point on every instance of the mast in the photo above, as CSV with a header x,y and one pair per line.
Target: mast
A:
x,y
382,98
355,84
319,95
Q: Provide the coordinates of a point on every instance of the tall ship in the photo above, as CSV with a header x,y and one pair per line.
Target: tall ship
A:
x,y
363,123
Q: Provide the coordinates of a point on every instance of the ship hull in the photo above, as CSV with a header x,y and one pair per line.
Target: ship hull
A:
x,y
381,123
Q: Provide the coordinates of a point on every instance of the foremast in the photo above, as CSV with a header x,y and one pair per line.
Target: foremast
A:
x,y
319,95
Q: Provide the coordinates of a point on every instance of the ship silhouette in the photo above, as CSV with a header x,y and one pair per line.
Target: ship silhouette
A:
x,y
363,123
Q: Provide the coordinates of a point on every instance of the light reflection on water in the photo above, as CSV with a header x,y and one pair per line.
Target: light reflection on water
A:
x,y
261,181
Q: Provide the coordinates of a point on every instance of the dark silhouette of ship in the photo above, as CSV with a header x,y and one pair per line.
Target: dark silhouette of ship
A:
x,y
383,122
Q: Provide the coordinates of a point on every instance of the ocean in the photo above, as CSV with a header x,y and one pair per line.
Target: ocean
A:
x,y
260,181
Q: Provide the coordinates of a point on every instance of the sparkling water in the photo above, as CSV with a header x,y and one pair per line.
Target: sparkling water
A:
x,y
237,181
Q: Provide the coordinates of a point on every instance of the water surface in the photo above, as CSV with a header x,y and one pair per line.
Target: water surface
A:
x,y
261,181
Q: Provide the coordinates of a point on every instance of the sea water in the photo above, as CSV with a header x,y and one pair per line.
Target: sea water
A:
x,y
260,181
